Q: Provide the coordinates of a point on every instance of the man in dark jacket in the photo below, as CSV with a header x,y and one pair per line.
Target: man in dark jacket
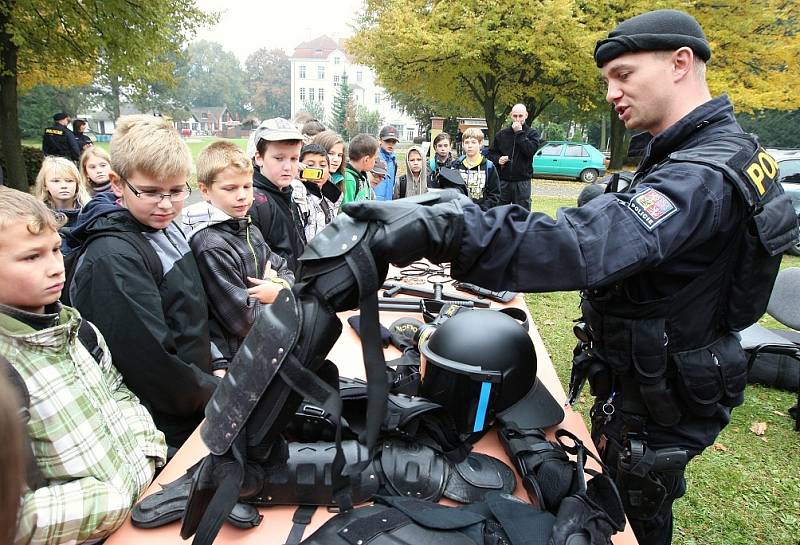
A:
x,y
670,267
59,141
512,152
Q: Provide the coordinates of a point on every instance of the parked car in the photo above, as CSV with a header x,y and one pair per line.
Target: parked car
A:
x,y
789,177
569,160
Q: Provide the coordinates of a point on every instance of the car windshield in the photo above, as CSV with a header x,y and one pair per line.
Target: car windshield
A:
x,y
790,170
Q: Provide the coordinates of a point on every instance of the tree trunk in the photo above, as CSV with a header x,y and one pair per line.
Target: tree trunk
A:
x,y
115,98
493,123
15,175
618,144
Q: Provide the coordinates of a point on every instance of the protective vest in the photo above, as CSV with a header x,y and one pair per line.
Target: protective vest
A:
x,y
648,343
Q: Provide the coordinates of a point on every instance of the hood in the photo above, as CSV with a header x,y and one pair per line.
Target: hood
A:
x,y
98,206
201,215
423,175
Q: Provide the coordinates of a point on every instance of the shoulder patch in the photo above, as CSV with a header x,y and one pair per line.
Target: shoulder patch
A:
x,y
652,208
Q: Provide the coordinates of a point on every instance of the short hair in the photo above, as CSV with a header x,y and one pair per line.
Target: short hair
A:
x,y
312,127
94,151
441,136
17,206
314,149
263,145
61,167
217,157
301,117
362,145
328,139
473,132
149,145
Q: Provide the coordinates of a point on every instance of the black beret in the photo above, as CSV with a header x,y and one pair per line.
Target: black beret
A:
x,y
60,115
660,30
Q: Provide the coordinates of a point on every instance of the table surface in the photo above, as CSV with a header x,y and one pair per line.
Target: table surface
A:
x,y
346,354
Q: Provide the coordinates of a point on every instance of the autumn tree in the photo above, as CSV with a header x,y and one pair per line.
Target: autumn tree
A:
x,y
478,55
214,77
60,42
268,83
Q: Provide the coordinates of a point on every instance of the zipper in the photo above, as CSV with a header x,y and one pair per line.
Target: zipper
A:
x,y
250,245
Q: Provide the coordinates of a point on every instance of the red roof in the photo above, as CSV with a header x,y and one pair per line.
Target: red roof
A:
x,y
318,48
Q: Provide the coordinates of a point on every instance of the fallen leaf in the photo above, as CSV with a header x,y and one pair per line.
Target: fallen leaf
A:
x,y
779,413
759,428
549,322
720,446
764,439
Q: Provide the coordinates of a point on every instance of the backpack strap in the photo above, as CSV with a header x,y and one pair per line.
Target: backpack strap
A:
x,y
88,338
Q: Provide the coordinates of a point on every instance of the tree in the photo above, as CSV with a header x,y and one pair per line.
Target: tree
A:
x,y
61,42
37,105
478,55
268,83
368,121
342,108
316,110
215,78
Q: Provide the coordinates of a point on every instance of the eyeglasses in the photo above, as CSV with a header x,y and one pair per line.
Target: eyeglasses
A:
x,y
156,197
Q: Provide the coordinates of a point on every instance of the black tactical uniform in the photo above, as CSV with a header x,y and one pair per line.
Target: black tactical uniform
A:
x,y
58,140
657,265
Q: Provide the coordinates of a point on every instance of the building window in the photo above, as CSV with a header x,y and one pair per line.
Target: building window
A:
x,y
301,71
302,93
359,75
377,98
409,134
320,72
336,80
321,94
311,94
336,60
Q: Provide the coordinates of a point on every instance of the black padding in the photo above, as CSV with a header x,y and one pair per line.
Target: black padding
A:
x,y
479,474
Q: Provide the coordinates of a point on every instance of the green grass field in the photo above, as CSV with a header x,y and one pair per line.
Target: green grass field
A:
x,y
746,489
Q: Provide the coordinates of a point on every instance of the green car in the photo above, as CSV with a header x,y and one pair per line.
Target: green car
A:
x,y
569,160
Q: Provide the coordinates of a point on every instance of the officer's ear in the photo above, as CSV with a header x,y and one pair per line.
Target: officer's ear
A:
x,y
682,63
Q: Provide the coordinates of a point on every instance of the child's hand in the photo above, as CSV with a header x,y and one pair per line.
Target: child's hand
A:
x,y
263,290
269,272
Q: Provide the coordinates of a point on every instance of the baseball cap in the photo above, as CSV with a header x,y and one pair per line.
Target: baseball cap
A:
x,y
60,115
380,167
388,133
659,30
273,130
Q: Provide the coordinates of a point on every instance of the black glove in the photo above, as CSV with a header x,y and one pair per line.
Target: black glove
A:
x,y
428,225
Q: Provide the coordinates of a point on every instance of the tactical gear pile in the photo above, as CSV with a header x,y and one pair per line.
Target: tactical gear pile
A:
x,y
282,428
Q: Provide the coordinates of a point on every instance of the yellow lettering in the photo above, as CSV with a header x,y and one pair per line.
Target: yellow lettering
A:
x,y
768,164
756,174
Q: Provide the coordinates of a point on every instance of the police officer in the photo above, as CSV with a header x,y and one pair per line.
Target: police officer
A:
x,y
670,267
58,140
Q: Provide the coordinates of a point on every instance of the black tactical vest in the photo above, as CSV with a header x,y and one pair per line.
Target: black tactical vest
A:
x,y
643,340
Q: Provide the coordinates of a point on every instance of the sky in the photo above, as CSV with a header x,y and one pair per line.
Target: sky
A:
x,y
247,26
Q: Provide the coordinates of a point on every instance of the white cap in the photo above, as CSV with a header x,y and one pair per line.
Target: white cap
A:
x,y
272,130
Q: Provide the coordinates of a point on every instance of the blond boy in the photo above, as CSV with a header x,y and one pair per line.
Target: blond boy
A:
x,y
240,272
95,446
155,321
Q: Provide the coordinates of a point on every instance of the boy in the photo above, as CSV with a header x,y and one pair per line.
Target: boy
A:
x,y
321,196
95,445
442,158
414,181
155,321
362,152
389,139
240,272
275,148
479,174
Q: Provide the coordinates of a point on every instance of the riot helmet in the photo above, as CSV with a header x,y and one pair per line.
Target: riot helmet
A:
x,y
481,365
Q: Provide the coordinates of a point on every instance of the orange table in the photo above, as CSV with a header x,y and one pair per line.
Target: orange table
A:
x,y
278,520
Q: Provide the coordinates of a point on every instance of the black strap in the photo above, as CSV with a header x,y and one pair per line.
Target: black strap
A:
x,y
88,337
301,518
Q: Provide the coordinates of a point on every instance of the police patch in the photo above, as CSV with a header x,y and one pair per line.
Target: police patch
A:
x,y
652,208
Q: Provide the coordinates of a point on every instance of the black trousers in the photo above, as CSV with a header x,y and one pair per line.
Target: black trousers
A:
x,y
692,433
516,193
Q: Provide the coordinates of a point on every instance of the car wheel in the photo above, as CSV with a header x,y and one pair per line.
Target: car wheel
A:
x,y
589,175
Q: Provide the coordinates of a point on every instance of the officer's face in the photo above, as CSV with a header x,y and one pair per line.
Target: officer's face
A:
x,y
640,86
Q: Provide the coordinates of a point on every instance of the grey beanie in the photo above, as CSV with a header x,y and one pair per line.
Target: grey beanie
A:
x,y
660,30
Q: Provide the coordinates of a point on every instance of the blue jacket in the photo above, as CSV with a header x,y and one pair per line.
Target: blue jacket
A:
x,y
385,189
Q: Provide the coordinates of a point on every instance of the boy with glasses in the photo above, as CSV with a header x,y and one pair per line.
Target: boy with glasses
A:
x,y
136,279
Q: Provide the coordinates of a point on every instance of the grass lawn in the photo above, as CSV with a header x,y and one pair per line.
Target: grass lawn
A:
x,y
743,490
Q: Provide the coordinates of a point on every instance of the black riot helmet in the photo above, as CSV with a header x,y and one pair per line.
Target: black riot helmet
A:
x,y
481,365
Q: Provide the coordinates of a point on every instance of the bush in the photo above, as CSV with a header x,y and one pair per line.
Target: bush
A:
x,y
33,162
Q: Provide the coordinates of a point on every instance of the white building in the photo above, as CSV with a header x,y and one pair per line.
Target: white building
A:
x,y
317,69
